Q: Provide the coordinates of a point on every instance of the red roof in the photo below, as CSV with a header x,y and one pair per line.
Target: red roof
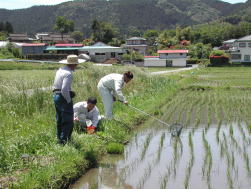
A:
x,y
68,45
151,56
33,44
172,51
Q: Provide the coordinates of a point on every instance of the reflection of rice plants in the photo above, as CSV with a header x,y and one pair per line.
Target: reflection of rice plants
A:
x,y
246,159
218,131
207,166
160,146
146,145
147,173
191,161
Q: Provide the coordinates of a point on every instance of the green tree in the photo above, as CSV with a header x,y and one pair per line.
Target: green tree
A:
x,y
8,27
151,37
200,51
63,25
134,31
103,31
77,35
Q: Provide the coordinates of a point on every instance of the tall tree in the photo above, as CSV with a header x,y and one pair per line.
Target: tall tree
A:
x,y
8,27
63,25
103,31
77,35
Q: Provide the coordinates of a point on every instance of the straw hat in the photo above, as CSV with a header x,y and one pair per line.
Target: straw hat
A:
x,y
72,59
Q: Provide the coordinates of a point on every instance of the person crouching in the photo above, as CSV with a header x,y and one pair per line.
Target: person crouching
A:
x,y
87,115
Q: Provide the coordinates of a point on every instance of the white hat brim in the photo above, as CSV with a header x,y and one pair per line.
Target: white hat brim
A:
x,y
66,62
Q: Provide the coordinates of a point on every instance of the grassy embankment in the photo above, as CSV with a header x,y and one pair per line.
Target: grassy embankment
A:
x,y
29,154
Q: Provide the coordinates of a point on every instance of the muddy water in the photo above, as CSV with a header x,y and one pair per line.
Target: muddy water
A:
x,y
217,156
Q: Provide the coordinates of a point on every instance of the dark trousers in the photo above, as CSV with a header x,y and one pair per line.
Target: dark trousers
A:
x,y
64,117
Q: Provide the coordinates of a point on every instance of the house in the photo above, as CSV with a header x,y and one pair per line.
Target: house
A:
x,y
19,38
167,58
100,52
137,44
33,48
55,38
241,50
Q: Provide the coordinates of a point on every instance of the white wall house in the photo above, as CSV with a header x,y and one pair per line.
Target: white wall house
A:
x,y
137,44
241,51
167,58
100,52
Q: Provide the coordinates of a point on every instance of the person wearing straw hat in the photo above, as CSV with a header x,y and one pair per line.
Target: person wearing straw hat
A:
x,y
63,98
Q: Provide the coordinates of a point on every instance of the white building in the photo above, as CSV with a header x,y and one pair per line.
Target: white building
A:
x,y
137,44
241,50
167,58
100,52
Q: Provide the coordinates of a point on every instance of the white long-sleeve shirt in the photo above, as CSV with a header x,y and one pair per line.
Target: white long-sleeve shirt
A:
x,y
114,82
81,108
63,81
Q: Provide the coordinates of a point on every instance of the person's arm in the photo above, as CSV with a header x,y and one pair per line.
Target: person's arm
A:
x,y
66,87
76,109
118,90
95,118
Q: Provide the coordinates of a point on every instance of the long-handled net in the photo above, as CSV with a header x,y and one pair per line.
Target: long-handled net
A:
x,y
175,128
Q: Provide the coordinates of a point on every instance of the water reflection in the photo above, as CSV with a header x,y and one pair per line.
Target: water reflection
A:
x,y
217,156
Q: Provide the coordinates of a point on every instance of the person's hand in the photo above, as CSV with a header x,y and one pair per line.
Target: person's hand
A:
x,y
76,119
91,130
126,102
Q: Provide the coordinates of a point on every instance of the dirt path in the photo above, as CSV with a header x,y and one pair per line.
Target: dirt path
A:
x,y
174,71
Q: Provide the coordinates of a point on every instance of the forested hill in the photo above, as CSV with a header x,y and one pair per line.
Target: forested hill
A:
x,y
125,14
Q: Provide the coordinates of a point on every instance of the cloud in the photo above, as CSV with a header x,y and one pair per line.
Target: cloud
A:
x,y
235,1
17,4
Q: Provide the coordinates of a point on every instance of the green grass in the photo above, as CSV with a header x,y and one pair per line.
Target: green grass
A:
x,y
156,69
28,124
115,148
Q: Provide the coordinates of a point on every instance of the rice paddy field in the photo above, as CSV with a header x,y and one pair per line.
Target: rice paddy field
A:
x,y
213,150
29,154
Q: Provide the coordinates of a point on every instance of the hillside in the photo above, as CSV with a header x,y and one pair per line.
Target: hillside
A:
x,y
126,14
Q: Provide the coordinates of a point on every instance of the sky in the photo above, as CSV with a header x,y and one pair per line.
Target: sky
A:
x,y
18,4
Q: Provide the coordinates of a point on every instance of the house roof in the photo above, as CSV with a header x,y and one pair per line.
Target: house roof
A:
x,y
246,38
56,37
68,45
18,37
53,48
99,44
172,51
136,38
33,44
229,41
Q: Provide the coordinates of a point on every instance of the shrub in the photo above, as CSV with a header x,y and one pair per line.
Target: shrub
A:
x,y
217,53
219,58
115,148
193,61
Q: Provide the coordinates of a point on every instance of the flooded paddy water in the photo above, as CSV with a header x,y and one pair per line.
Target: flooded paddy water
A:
x,y
198,159
213,150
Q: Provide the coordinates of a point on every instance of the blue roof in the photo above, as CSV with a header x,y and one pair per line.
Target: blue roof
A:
x,y
53,48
